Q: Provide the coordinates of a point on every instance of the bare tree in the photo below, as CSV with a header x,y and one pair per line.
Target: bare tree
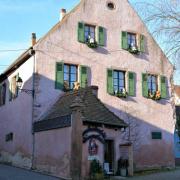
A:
x,y
132,132
163,19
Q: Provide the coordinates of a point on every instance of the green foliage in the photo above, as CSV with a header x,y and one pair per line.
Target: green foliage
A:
x,y
121,94
92,44
96,172
123,163
133,51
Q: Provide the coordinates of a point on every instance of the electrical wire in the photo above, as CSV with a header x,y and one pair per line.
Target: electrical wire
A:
x,y
10,50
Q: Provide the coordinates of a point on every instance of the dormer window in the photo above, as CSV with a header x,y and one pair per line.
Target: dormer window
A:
x,y
89,33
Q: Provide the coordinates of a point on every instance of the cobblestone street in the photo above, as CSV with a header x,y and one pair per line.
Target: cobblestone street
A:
x,y
12,173
169,175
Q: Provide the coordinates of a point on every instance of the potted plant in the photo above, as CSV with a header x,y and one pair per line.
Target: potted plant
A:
x,y
133,49
96,172
123,165
91,42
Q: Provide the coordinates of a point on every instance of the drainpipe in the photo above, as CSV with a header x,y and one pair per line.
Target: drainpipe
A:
x,y
32,129
33,99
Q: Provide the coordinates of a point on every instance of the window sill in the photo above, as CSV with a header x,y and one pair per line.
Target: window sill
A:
x,y
135,51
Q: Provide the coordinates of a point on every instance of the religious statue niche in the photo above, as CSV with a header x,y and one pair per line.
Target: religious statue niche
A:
x,y
93,147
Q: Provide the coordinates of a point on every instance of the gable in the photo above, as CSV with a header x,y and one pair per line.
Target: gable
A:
x,y
122,18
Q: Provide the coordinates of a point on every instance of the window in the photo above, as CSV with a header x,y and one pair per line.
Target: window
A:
x,y
89,32
67,74
96,33
121,83
13,89
70,76
156,135
9,137
110,5
131,40
3,94
118,81
152,84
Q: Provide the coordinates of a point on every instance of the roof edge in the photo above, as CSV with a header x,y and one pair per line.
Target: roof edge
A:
x,y
58,24
17,63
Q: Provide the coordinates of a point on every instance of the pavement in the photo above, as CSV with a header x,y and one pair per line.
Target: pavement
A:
x,y
12,173
166,175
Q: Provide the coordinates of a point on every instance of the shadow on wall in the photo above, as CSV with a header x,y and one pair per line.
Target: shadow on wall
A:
x,y
148,152
152,145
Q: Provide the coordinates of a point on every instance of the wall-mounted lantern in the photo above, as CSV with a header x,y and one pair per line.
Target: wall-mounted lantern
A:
x,y
19,83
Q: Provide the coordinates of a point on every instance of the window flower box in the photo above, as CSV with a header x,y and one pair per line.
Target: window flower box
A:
x,y
91,43
121,94
155,96
133,49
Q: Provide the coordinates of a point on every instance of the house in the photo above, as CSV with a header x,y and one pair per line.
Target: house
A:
x,y
177,130
96,86
177,95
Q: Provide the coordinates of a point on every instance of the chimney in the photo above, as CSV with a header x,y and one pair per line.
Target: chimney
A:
x,y
62,14
33,39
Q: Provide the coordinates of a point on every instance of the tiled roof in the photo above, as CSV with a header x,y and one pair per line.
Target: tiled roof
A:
x,y
56,123
94,111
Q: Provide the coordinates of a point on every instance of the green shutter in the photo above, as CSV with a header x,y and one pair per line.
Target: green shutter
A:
x,y
131,80
83,76
101,36
142,44
17,89
110,81
163,87
124,40
156,135
59,76
81,37
10,91
144,85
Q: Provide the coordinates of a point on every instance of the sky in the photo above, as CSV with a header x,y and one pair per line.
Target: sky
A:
x,y
19,18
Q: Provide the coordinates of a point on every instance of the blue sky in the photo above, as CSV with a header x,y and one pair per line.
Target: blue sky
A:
x,y
19,18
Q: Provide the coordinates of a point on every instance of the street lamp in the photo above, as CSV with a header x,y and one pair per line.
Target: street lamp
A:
x,y
19,85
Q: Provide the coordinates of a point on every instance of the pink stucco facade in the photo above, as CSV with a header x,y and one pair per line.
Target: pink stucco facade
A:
x,y
61,45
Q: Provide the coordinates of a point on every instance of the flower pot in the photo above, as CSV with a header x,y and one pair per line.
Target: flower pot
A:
x,y
123,172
